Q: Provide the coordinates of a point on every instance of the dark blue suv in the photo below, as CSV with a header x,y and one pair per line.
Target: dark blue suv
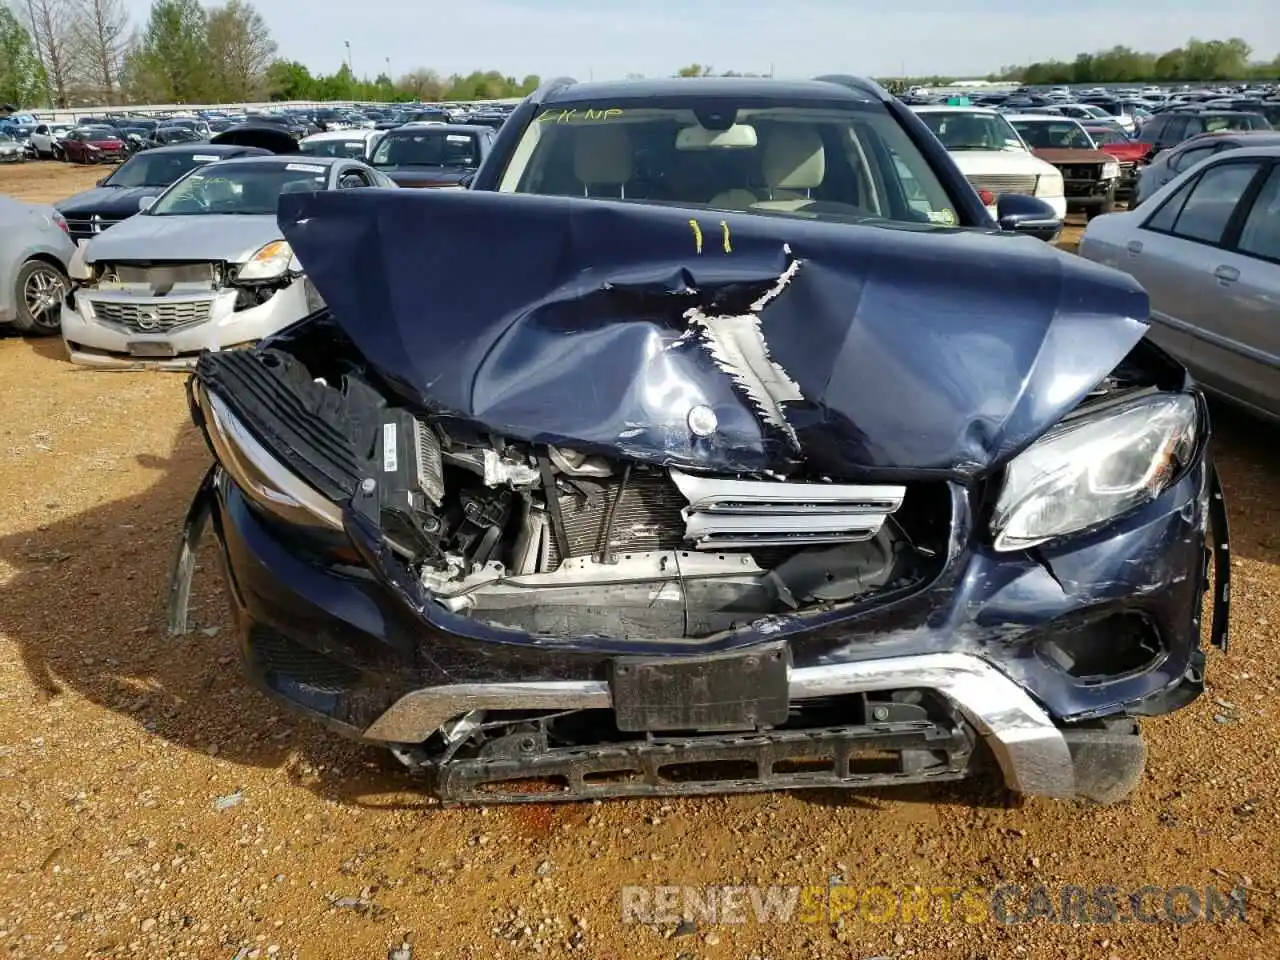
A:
x,y
715,439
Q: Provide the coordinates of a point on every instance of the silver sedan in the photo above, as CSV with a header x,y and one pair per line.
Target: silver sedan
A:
x,y
1207,248
34,253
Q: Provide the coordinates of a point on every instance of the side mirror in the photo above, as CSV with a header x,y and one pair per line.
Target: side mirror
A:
x,y
466,181
1018,213
146,204
101,182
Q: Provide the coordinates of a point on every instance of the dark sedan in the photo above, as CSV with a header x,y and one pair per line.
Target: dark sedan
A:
x,y
118,196
432,154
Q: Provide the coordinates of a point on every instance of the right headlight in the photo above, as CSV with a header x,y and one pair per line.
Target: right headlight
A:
x,y
1089,470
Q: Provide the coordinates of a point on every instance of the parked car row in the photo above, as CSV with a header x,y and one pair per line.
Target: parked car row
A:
x,y
1206,247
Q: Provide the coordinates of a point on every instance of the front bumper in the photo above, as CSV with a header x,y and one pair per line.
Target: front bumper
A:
x,y
1089,194
341,642
215,324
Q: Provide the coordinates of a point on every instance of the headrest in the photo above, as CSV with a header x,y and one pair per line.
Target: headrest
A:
x,y
794,159
602,154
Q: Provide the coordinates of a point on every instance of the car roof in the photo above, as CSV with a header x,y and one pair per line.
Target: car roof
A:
x,y
1259,139
954,108
447,127
279,159
699,87
222,149
338,135
1043,118
1263,152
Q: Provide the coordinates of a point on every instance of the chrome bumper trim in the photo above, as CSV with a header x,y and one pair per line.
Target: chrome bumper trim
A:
x,y
1031,751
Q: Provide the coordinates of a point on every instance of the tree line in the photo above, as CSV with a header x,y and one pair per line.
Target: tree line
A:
x,y
1195,61
70,53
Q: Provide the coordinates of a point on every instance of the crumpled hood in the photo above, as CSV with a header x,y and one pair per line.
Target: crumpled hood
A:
x,y
232,238
116,201
601,325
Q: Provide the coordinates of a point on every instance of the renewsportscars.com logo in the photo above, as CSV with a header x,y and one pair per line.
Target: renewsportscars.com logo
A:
x,y
1008,903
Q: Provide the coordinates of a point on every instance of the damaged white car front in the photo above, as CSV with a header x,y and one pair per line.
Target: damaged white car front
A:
x,y
202,268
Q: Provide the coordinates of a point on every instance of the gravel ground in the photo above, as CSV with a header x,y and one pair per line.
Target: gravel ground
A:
x,y
153,805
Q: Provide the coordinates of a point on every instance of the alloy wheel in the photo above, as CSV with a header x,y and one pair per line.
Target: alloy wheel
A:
x,y
43,292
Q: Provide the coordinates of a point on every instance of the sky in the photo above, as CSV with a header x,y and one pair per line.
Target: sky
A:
x,y
604,39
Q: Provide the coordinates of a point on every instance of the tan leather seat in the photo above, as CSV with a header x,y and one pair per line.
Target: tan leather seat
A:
x,y
739,198
602,159
794,163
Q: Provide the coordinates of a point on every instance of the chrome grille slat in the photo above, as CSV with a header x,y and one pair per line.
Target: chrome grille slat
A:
x,y
750,513
1005,183
149,317
85,228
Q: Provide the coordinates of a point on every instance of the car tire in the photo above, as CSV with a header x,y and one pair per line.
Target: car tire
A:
x,y
38,293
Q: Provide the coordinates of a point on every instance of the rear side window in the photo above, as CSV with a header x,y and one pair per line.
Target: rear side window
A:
x,y
1163,219
1261,234
1190,157
1212,201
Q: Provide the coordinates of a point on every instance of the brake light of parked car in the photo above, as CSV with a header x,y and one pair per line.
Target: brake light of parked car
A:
x,y
61,222
987,197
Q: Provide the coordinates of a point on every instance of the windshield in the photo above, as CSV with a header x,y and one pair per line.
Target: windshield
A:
x,y
845,162
1103,135
333,148
972,131
1064,135
430,147
238,188
156,169
176,135
99,133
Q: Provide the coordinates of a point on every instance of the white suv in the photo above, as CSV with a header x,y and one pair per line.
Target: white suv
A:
x,y
992,157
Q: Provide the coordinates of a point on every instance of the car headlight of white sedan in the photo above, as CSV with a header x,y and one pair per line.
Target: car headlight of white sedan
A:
x,y
1092,468
270,262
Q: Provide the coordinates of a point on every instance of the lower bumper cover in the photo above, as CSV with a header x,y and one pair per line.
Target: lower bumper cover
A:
x,y
1032,753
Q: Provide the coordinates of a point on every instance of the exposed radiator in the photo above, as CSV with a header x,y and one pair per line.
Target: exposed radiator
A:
x,y
750,514
648,516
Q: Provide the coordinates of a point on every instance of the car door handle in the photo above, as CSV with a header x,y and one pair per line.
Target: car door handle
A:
x,y
1227,274
1134,247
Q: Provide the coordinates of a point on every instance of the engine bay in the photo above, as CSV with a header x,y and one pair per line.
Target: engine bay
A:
x,y
554,542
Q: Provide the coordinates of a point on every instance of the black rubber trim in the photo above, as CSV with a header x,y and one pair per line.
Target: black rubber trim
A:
x,y
636,769
283,421
1221,552
184,565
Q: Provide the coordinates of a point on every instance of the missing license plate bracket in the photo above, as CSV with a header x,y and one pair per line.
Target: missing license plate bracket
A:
x,y
151,348
723,691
